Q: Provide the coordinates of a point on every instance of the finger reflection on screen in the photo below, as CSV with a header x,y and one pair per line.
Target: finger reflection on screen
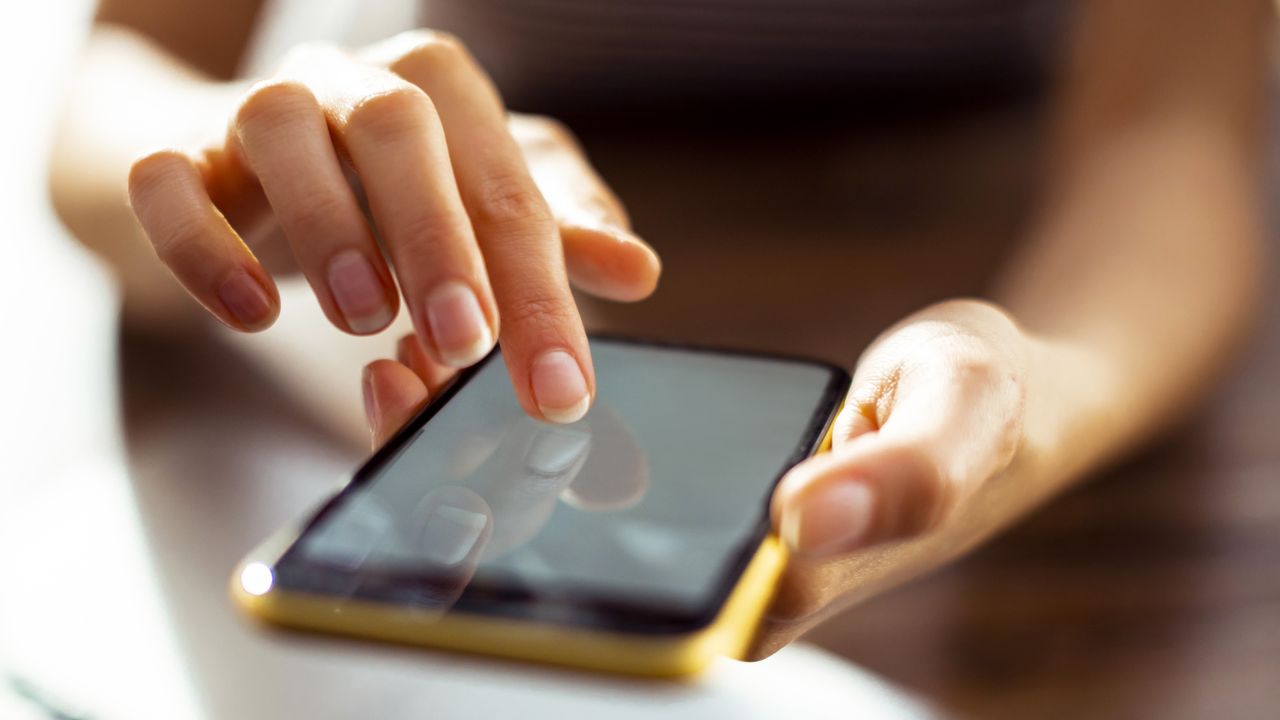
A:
x,y
503,488
649,500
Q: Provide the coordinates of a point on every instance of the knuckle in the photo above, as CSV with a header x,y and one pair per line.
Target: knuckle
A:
x,y
510,200
973,368
320,215
395,111
418,241
989,380
545,310
177,234
149,172
433,49
180,240
271,105
969,361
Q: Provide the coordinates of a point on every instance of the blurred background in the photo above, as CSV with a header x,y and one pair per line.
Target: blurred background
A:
x,y
138,469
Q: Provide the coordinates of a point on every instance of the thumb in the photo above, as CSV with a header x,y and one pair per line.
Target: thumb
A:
x,y
942,433
870,491
935,410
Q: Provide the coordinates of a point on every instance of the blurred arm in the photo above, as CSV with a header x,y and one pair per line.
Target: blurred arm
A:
x,y
151,74
1148,258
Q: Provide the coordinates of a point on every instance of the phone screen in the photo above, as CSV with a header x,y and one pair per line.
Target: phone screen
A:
x,y
642,514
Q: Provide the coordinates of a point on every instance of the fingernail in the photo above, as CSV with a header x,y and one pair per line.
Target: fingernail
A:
x,y
829,519
358,292
246,299
559,388
458,325
450,533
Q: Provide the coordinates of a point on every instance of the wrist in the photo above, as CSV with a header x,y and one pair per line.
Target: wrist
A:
x,y
1071,410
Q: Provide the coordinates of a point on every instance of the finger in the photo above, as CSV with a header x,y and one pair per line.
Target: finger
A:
x,y
392,133
285,140
543,340
863,494
195,242
411,353
610,264
602,255
393,394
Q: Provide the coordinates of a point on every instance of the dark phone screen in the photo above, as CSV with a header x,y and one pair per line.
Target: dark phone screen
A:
x,y
652,503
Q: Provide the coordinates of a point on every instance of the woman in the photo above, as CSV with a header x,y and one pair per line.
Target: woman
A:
x,y
1129,291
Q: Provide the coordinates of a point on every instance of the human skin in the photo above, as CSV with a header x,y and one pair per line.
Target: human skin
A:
x,y
478,251
1126,297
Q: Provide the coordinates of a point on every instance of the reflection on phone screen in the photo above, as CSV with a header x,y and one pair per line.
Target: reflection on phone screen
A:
x,y
648,499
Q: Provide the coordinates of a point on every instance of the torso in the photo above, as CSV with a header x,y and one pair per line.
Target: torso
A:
x,y
545,53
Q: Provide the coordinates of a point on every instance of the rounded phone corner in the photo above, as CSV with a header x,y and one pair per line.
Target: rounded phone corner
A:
x,y
252,586
248,595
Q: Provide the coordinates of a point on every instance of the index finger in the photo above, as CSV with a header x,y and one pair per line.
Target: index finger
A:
x,y
543,339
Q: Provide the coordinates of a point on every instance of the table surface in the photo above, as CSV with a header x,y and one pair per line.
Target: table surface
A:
x,y
1149,591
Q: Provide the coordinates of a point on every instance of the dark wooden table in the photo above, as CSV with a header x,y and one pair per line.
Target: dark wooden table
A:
x,y
1151,591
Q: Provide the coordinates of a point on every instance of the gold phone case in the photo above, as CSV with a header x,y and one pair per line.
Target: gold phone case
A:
x,y
610,651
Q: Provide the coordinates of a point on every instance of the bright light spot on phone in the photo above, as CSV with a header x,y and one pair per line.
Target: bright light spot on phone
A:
x,y
256,579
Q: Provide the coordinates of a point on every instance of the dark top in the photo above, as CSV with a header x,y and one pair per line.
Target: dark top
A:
x,y
631,53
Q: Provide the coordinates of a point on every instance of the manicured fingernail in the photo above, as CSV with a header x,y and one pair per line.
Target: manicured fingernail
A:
x,y
559,387
246,299
829,519
458,325
358,292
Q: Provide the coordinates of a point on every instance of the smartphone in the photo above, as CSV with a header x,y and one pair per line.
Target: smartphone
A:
x,y
636,540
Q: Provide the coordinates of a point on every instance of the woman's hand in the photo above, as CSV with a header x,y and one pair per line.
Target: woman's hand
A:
x,y
946,435
483,217
935,409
